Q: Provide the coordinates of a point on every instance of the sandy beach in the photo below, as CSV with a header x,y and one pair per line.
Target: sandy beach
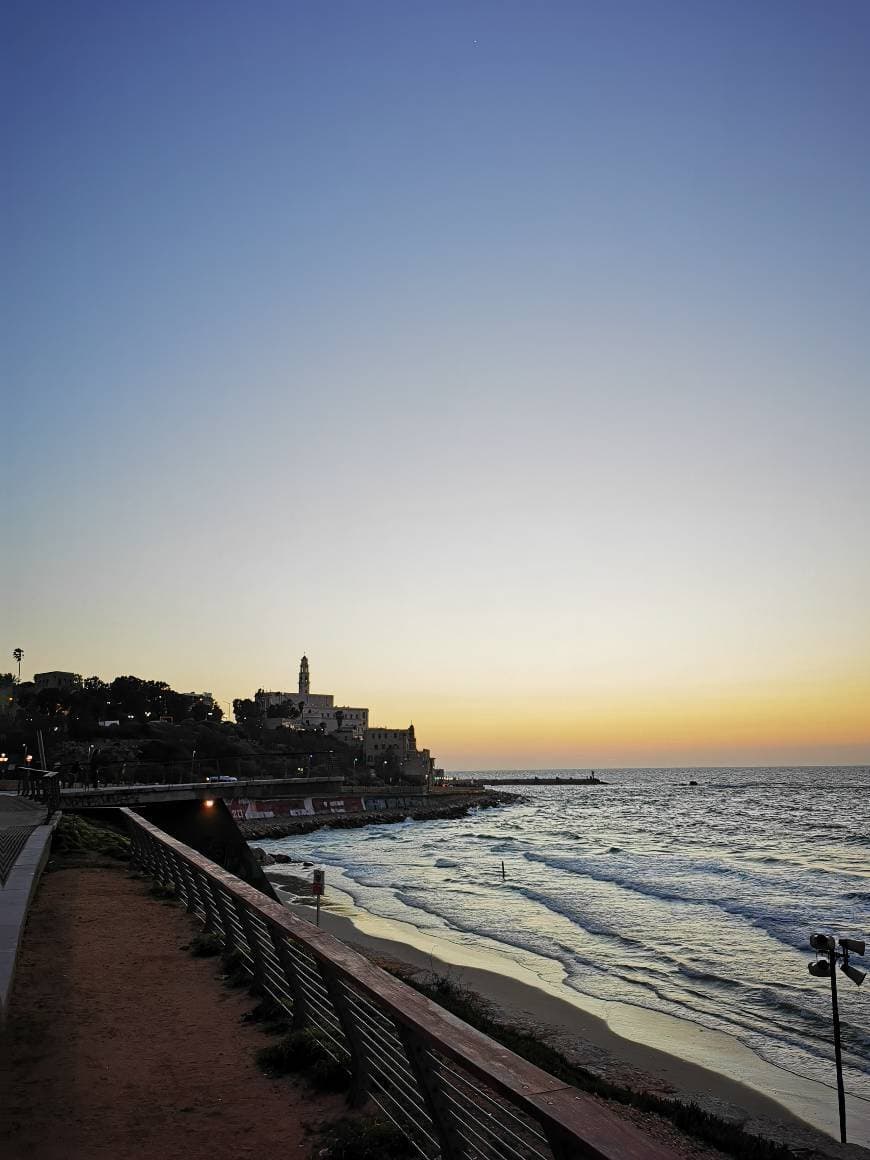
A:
x,y
625,1044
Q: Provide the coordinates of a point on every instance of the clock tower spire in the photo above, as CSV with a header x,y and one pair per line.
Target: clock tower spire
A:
x,y
304,678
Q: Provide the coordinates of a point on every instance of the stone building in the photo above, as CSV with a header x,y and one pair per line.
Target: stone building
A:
x,y
381,744
57,680
316,710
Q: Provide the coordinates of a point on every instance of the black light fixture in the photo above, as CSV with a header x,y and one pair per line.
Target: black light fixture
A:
x,y
825,967
821,968
855,946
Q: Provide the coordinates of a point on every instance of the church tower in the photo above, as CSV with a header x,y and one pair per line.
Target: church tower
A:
x,y
304,679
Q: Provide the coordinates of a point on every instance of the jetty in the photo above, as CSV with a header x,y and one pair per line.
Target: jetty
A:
x,y
591,780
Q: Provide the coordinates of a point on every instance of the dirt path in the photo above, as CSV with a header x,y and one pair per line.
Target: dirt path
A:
x,y
121,1046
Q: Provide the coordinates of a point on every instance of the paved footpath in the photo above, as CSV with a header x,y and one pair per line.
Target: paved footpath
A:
x,y
19,817
122,1046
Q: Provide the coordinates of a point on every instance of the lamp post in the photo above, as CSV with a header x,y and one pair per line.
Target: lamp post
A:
x,y
826,967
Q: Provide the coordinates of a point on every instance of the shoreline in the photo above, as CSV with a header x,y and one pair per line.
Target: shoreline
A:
x,y
630,1046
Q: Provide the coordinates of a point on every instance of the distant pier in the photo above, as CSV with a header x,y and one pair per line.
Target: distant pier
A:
x,y
592,780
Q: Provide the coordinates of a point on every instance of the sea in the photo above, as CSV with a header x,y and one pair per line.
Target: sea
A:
x,y
693,900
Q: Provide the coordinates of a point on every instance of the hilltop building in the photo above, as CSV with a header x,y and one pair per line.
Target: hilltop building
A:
x,y
380,745
57,680
316,710
206,699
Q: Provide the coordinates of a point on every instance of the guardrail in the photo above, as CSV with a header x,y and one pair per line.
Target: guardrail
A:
x,y
454,1092
42,785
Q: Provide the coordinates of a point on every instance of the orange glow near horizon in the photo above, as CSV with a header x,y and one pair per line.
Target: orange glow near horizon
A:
x,y
803,724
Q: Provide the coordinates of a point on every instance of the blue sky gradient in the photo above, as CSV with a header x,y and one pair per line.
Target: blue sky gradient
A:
x,y
509,359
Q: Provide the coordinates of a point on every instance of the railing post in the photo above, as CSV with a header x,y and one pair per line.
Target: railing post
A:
x,y
175,875
135,845
190,887
203,885
161,864
299,1015
359,1081
144,840
562,1146
154,863
230,939
453,1146
251,940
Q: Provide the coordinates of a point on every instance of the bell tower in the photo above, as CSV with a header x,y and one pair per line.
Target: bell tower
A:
x,y
304,678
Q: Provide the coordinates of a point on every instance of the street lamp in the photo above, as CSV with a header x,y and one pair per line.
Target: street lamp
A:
x,y
826,968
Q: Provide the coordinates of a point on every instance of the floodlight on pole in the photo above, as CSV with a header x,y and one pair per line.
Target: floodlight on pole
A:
x,y
853,973
855,946
826,968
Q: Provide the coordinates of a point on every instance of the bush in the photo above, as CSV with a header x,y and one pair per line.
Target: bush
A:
x,y
366,1138
269,1016
305,1051
161,892
236,973
206,945
76,836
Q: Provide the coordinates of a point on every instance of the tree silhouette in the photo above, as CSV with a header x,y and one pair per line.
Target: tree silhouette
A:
x,y
18,653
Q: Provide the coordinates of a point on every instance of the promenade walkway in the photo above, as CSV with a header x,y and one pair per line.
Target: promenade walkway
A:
x,y
24,838
19,817
120,1045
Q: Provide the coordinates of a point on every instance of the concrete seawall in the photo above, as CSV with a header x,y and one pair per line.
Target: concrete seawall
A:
x,y
374,810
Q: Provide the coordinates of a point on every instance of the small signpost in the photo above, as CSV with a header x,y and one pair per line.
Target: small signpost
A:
x,y
318,881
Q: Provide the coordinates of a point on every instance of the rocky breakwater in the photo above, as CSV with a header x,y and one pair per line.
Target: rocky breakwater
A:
x,y
456,806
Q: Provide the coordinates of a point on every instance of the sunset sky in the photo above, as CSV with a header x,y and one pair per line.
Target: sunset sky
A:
x,y
511,360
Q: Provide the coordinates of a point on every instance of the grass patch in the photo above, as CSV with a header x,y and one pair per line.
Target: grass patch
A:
x,y
75,836
269,1017
689,1118
366,1138
236,973
305,1051
205,945
162,893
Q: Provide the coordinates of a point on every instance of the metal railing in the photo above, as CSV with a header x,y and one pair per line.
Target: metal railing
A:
x,y
42,785
454,1092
